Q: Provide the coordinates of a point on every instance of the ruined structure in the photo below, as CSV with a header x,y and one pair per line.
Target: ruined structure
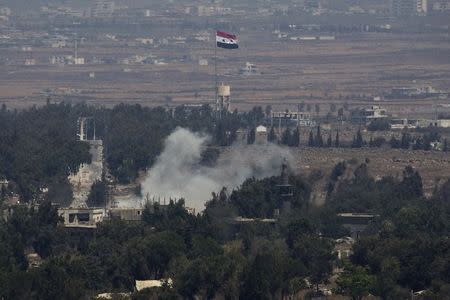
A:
x,y
87,174
285,190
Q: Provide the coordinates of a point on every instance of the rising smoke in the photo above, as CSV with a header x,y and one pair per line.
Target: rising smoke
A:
x,y
178,173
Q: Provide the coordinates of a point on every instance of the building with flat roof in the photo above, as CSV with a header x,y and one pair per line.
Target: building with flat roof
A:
x,y
81,217
126,214
292,118
356,223
403,8
366,115
261,134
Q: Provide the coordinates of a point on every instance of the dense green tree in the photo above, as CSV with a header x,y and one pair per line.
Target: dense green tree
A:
x,y
405,141
311,139
329,141
355,282
336,140
263,277
358,140
318,142
332,107
97,195
377,142
395,143
272,137
251,136
412,183
295,140
286,138
379,125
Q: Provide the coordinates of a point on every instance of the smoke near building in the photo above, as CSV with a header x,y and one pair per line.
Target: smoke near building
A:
x,y
179,174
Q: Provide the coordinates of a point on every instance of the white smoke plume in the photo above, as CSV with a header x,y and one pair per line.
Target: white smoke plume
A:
x,y
178,173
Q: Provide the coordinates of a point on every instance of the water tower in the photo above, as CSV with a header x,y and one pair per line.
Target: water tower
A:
x,y
223,98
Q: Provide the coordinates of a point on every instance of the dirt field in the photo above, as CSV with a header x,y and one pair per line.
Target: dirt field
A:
x,y
337,71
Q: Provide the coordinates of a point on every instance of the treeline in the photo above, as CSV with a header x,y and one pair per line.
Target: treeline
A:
x,y
429,140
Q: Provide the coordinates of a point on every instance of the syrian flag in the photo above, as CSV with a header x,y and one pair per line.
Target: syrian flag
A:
x,y
226,40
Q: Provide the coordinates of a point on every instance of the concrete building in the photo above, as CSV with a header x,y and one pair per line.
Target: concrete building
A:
x,y
343,247
411,92
311,4
78,61
202,62
403,8
399,124
205,11
356,222
30,62
87,174
126,214
58,60
369,114
147,284
442,123
248,69
66,60
292,118
145,41
58,44
81,217
261,135
104,9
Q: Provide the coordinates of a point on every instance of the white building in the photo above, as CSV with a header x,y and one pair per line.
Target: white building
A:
x,y
202,62
292,118
205,11
248,69
261,135
30,62
104,9
145,41
78,61
59,44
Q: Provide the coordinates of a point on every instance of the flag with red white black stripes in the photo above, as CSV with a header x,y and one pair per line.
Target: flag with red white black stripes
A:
x,y
226,40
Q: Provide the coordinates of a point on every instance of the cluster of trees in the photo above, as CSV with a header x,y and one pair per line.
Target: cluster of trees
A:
x,y
205,255
407,247
38,150
379,125
418,143
212,255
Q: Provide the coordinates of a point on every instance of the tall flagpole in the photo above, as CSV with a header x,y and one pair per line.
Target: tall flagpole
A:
x,y
216,106
215,70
